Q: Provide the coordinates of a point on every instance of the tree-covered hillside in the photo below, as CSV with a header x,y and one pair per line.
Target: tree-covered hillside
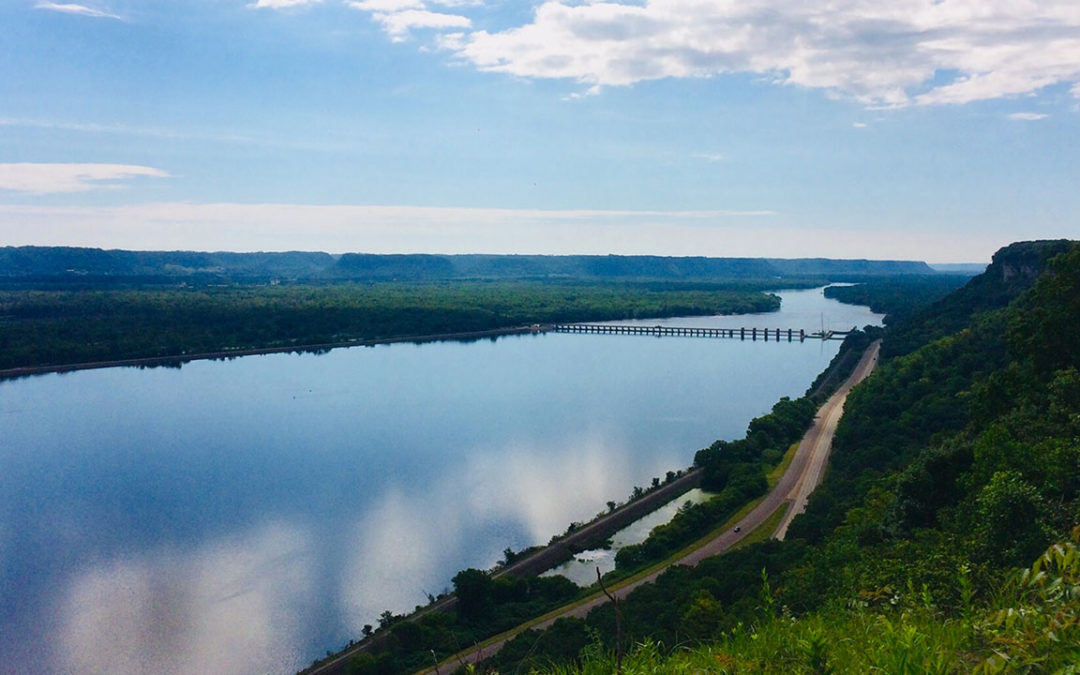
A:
x,y
898,297
68,265
956,466
53,327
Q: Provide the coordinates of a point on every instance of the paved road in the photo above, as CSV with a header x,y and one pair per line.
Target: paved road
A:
x,y
818,440
802,476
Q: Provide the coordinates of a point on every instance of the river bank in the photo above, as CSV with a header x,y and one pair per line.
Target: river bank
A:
x,y
290,499
177,361
788,496
533,564
849,366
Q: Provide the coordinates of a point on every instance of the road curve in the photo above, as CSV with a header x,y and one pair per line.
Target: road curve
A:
x,y
802,476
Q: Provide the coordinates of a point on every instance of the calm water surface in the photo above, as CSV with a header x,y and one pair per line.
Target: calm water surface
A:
x,y
248,515
582,568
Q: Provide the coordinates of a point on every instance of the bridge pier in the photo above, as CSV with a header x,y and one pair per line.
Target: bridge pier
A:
x,y
767,334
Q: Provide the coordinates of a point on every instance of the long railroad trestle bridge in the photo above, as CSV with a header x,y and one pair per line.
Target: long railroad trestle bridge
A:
x,y
765,334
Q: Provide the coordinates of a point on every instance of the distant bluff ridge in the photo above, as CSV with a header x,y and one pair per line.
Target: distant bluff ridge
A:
x,y
58,262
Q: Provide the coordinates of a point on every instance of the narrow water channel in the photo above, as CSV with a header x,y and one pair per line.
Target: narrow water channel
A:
x,y
582,568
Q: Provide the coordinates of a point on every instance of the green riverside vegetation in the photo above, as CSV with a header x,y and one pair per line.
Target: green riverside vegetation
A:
x,y
736,471
898,297
943,539
64,305
1028,625
48,327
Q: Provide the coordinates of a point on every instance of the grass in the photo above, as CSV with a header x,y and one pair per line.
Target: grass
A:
x,y
838,642
780,469
1031,625
765,530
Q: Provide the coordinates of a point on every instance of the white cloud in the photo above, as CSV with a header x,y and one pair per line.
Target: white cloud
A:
x,y
710,156
397,17
573,96
1027,116
376,229
281,4
881,52
399,5
859,125
410,229
385,6
291,143
70,8
400,17
399,24
52,178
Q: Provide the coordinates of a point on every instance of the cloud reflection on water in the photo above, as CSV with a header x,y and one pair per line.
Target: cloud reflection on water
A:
x,y
395,551
414,538
235,604
543,489
228,607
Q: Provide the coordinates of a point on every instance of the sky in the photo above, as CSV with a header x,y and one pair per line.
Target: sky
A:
x,y
935,130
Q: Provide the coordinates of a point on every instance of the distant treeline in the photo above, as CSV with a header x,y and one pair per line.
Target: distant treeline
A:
x,y
66,265
59,327
898,296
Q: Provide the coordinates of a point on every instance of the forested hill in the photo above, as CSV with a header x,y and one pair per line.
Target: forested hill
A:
x,y
944,538
1013,270
611,267
60,263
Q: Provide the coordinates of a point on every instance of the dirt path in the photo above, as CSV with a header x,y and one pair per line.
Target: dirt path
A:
x,y
803,475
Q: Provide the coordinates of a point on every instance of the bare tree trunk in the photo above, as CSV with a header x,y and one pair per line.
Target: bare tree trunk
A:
x,y
618,624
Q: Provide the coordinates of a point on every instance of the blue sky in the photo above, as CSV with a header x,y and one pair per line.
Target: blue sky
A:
x,y
937,130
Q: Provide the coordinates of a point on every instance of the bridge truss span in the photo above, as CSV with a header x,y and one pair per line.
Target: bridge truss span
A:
x,y
753,334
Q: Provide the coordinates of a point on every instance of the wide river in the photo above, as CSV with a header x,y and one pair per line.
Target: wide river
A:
x,y
245,516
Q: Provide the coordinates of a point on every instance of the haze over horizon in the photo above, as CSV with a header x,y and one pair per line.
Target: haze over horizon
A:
x,y
933,130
